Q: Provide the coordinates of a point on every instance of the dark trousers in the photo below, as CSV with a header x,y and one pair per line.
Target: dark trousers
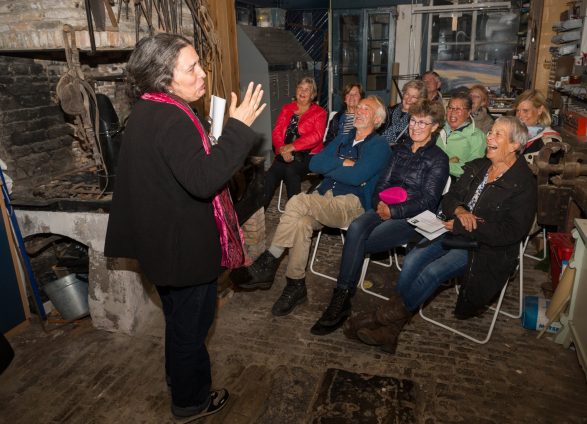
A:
x,y
369,234
189,313
291,173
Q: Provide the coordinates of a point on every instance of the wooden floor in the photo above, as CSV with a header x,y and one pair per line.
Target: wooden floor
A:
x,y
274,367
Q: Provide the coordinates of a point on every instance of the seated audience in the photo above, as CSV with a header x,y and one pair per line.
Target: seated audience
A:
x,y
432,81
460,139
297,135
493,206
351,165
531,108
342,121
395,129
479,112
419,167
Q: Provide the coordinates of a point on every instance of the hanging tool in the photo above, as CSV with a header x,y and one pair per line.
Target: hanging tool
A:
x,y
90,27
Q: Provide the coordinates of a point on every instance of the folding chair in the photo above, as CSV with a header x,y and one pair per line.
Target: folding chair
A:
x,y
342,231
497,309
537,258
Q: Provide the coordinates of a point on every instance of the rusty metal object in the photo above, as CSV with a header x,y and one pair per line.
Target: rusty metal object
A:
x,y
559,169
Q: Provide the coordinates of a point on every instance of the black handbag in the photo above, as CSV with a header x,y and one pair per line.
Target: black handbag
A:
x,y
458,241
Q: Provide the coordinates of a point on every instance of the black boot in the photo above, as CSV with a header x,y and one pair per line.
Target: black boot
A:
x,y
335,314
259,275
293,294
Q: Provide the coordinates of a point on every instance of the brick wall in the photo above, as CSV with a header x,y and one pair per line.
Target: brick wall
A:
x,y
35,140
35,25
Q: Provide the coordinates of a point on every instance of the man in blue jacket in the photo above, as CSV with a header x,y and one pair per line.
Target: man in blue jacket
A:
x,y
350,164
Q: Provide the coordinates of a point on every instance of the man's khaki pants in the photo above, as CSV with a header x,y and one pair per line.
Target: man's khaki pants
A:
x,y
306,213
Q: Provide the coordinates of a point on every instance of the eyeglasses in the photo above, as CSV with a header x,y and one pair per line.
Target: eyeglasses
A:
x,y
456,109
419,124
352,153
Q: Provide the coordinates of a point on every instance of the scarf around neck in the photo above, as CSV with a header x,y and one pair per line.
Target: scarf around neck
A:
x,y
234,254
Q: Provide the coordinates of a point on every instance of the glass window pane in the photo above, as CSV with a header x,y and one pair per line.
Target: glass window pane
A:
x,y
350,36
445,51
377,48
497,26
494,52
443,25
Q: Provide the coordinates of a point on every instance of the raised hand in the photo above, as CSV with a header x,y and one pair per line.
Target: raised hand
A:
x,y
250,107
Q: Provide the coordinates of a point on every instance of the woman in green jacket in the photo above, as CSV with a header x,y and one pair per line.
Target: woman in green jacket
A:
x,y
460,139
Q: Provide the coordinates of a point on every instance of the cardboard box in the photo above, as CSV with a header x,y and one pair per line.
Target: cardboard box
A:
x,y
534,315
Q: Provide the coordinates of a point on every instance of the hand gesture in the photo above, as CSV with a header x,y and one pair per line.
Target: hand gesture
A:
x,y
249,109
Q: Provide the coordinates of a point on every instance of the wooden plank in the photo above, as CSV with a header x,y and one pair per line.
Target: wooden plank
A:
x,y
223,14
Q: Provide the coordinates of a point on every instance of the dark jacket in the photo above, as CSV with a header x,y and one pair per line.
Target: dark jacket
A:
x,y
333,127
162,213
422,174
372,155
507,208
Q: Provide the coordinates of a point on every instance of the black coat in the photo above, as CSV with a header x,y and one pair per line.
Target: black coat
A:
x,y
162,213
333,125
422,174
507,207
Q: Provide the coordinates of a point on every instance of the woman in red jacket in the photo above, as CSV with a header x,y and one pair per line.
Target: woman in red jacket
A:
x,y
297,134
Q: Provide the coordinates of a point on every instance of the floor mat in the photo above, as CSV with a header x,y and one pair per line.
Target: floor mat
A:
x,y
362,398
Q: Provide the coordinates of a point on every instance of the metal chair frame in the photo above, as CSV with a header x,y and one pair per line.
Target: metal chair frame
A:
x,y
497,309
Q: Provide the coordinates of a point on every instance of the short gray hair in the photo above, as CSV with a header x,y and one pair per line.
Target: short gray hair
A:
x,y
381,111
418,85
518,132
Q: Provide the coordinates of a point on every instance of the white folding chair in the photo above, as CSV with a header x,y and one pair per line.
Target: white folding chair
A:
x,y
342,231
279,208
537,258
497,309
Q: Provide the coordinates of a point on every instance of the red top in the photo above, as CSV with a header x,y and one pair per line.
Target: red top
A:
x,y
311,127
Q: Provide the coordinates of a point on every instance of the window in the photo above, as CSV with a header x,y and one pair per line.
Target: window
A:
x,y
486,36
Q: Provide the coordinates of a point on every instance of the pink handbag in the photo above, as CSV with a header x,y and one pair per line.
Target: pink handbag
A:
x,y
393,195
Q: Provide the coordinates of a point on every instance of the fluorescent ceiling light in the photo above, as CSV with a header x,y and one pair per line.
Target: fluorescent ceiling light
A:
x,y
472,7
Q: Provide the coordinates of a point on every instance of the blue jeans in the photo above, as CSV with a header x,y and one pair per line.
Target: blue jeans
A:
x,y
189,312
426,267
369,234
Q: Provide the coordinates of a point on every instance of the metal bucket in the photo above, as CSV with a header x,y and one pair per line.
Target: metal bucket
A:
x,y
69,295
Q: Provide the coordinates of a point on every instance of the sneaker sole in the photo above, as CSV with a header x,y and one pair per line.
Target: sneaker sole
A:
x,y
185,420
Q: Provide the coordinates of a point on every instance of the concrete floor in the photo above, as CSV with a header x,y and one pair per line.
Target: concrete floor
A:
x,y
274,367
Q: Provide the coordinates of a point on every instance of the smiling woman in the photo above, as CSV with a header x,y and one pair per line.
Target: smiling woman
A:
x,y
297,135
531,108
497,216
459,138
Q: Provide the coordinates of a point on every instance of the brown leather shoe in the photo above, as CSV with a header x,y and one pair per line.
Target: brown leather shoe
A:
x,y
393,310
385,336
358,321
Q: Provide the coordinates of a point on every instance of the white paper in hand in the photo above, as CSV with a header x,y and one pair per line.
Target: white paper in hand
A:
x,y
217,107
428,224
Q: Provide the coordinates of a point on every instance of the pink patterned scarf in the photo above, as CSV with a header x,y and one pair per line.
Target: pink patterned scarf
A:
x,y
234,254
